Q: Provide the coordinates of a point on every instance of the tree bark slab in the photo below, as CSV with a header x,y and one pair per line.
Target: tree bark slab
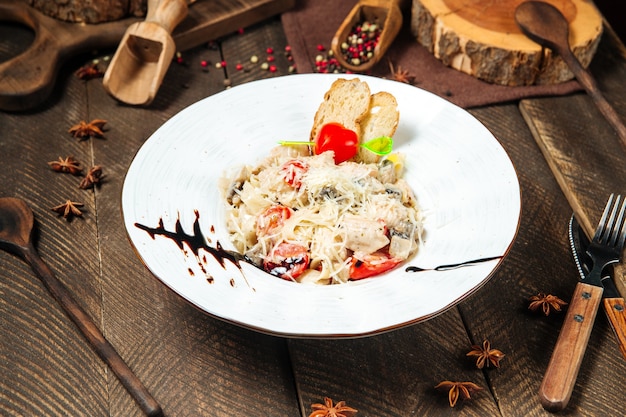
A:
x,y
482,39
92,11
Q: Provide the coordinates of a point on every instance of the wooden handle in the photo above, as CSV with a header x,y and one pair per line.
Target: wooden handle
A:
x,y
615,309
560,377
589,84
103,348
167,13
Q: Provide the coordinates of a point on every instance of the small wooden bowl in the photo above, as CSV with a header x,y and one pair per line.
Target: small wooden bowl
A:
x,y
386,13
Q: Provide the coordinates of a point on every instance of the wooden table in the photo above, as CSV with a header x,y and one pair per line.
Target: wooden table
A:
x,y
566,157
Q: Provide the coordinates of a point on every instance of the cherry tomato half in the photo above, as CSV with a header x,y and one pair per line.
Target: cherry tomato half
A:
x,y
272,219
293,171
287,260
334,137
371,264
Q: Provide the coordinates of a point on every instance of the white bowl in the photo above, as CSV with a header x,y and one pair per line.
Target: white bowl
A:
x,y
464,182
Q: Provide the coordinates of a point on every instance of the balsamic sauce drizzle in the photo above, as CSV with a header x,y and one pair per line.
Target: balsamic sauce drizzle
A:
x,y
196,241
452,266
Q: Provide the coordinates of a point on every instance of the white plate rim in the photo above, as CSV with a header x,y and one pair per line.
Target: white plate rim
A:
x,y
279,328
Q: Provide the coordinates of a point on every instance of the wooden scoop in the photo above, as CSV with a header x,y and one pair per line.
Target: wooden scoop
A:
x,y
385,13
546,25
16,226
144,54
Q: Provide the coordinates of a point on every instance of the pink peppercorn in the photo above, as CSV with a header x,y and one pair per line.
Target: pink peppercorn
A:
x,y
270,50
203,63
239,67
360,44
272,68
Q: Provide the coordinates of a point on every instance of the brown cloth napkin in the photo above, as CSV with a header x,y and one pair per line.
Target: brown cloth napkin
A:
x,y
314,22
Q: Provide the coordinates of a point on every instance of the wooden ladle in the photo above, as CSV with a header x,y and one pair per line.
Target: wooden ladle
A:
x,y
16,226
386,13
546,25
144,54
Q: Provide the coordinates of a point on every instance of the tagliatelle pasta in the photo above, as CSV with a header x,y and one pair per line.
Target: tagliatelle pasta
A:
x,y
305,218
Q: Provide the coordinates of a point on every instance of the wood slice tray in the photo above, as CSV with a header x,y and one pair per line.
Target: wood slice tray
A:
x,y
482,39
28,79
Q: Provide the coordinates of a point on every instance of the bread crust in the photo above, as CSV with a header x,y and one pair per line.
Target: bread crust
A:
x,y
351,104
381,120
346,103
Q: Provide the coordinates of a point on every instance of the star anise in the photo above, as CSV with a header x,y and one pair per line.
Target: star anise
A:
x,y
329,410
400,75
69,209
486,355
69,165
84,130
458,389
547,303
89,71
93,177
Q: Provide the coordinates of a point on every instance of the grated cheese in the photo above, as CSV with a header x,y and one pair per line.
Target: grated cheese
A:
x,y
332,210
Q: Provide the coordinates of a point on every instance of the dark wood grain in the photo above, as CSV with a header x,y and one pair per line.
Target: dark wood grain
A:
x,y
392,374
42,351
566,157
209,20
584,153
186,343
225,368
501,314
615,309
545,24
567,355
28,78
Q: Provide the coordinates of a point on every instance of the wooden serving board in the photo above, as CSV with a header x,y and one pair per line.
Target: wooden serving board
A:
x,y
28,79
482,39
586,158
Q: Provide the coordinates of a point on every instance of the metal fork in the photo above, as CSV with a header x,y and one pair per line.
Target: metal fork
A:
x,y
605,248
608,242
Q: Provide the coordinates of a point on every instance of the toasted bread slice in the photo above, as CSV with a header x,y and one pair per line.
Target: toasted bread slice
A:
x,y
346,103
381,120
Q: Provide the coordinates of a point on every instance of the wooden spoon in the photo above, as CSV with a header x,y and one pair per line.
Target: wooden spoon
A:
x,y
144,54
16,226
386,13
546,25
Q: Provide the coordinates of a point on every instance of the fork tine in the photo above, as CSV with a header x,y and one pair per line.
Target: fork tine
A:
x,y
616,225
620,237
602,225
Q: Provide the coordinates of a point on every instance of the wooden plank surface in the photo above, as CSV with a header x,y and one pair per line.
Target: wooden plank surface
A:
x,y
224,369
209,19
193,364
502,315
583,151
196,365
52,355
27,80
